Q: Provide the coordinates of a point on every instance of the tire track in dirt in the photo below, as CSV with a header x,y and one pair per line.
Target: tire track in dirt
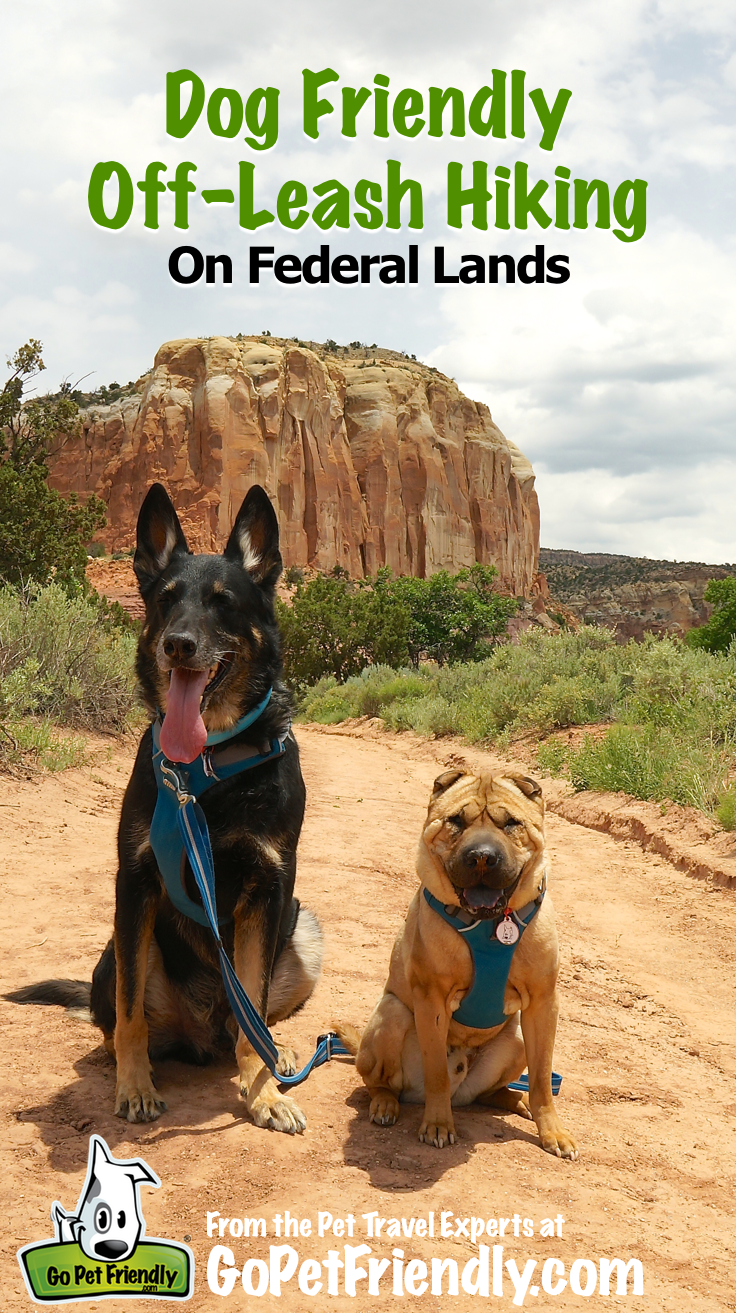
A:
x,y
646,1043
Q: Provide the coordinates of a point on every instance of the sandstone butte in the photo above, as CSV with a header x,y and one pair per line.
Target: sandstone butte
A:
x,y
371,458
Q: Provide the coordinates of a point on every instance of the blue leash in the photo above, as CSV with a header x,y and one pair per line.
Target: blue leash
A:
x,y
195,837
522,1083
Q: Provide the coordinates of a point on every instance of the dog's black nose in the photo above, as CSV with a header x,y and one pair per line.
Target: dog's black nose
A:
x,y
482,858
110,1248
180,647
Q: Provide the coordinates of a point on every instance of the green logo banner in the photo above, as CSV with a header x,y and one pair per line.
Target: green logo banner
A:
x,y
57,1273
98,1250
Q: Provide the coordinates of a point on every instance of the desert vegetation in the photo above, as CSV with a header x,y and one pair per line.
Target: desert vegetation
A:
x,y
65,660
66,655
662,715
335,626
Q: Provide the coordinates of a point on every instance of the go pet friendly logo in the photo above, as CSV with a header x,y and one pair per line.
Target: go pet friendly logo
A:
x,y
99,1252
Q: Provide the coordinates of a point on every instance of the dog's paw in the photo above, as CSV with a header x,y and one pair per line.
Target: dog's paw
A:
x,y
287,1064
138,1104
556,1140
521,1107
508,1100
384,1110
437,1133
276,1113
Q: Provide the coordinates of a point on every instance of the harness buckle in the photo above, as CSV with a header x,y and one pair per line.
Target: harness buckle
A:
x,y
173,781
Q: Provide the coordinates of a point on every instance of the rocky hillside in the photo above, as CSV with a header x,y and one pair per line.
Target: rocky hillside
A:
x,y
630,594
371,458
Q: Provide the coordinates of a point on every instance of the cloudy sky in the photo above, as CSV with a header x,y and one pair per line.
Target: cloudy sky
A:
x,y
619,385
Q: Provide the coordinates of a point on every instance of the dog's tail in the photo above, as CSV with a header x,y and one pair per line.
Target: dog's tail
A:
x,y
350,1035
74,995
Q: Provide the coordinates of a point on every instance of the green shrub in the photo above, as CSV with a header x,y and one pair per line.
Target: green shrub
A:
x,y
334,626
42,534
726,809
383,691
452,617
649,763
63,658
719,632
376,691
552,756
430,715
37,742
673,709
327,703
293,575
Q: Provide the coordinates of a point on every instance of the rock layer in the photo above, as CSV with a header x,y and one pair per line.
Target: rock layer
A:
x,y
370,461
631,595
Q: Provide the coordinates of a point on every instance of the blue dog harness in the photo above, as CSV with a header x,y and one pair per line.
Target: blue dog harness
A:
x,y
482,1007
198,776
179,831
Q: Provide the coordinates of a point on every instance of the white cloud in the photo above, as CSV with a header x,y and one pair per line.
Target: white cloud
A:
x,y
627,365
664,514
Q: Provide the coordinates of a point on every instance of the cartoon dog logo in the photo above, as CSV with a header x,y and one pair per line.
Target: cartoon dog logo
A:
x,y
108,1222
101,1250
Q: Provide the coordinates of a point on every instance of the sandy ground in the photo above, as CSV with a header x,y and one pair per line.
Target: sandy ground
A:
x,y
646,1043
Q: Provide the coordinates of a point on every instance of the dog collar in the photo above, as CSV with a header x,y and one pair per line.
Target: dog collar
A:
x,y
174,780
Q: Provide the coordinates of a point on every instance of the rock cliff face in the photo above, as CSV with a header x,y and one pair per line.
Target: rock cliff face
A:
x,y
370,458
631,595
633,610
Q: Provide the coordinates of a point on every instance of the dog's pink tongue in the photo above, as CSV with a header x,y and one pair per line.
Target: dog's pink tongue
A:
x,y
183,733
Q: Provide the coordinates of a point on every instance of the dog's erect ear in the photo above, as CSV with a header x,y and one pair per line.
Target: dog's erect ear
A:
x,y
527,785
100,1153
160,537
137,1170
445,781
133,1169
254,541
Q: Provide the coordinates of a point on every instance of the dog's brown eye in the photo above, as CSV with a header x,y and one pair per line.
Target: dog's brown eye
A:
x,y
457,821
511,824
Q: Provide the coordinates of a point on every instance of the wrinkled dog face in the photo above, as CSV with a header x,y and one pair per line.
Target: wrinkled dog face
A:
x,y
483,834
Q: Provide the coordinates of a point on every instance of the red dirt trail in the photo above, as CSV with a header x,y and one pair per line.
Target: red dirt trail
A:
x,y
646,1042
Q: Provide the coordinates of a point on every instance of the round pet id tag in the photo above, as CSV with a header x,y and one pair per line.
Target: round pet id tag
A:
x,y
507,931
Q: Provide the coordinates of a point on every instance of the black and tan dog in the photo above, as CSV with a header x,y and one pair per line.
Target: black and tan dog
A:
x,y
208,653
481,858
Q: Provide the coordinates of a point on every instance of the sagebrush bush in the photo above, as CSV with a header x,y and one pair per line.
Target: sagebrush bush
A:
x,y
726,809
649,763
672,709
61,657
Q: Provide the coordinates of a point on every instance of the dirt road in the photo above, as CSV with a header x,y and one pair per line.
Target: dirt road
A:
x,y
646,1043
